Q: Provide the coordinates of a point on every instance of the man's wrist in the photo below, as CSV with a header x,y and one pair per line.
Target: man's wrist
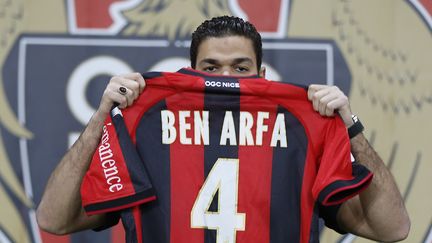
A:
x,y
356,128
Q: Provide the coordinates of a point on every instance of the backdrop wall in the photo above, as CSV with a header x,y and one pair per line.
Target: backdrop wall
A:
x,y
56,57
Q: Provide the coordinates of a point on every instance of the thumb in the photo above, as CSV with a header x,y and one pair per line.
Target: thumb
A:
x,y
313,88
345,113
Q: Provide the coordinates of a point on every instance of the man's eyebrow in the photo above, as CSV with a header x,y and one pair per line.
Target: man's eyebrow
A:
x,y
235,60
242,59
210,61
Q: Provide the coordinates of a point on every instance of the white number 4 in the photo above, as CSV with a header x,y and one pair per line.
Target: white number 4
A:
x,y
223,176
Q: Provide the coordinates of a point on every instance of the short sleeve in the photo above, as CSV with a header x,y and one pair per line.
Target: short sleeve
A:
x,y
338,178
111,219
329,215
116,178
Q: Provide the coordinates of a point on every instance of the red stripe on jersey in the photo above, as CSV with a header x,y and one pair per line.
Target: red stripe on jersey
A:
x,y
255,175
144,103
307,201
137,218
187,170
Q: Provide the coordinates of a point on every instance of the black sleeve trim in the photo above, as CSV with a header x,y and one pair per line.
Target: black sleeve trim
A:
x,y
329,215
112,219
340,191
120,203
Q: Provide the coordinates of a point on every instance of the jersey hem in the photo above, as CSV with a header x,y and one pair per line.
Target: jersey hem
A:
x,y
120,203
342,190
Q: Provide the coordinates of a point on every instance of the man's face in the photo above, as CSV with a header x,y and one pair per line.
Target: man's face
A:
x,y
231,55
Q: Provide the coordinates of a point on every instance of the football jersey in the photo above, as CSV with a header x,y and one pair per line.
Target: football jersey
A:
x,y
200,158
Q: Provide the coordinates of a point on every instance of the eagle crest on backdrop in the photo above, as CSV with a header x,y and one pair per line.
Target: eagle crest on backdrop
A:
x,y
11,221
17,18
164,18
171,18
386,44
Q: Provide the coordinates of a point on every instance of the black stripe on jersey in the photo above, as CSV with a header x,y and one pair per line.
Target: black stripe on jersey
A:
x,y
287,178
156,156
329,215
217,105
131,230
339,191
191,72
150,75
314,227
222,85
137,171
112,204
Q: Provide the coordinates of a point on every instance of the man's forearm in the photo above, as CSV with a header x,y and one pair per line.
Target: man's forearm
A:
x,y
381,202
60,210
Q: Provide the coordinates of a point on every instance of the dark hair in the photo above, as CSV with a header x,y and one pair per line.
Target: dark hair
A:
x,y
224,26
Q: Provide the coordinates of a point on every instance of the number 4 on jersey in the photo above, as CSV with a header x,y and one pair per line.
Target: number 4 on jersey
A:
x,y
223,177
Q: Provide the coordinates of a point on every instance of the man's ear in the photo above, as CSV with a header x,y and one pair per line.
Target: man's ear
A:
x,y
262,72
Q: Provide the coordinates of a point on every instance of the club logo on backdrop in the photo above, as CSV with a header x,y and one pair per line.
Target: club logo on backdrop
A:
x,y
54,73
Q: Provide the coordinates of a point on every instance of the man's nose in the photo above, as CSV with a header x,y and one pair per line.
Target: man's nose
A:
x,y
226,72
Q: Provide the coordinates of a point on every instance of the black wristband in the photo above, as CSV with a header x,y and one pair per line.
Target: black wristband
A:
x,y
355,128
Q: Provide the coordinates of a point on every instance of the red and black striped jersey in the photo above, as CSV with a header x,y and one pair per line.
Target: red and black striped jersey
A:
x,y
200,158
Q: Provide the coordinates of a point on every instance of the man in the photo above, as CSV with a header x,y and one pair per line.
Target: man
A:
x,y
226,46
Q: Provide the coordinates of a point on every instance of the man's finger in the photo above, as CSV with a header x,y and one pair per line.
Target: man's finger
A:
x,y
137,77
131,85
311,91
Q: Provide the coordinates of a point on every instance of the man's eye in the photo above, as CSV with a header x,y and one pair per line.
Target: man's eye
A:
x,y
241,69
210,69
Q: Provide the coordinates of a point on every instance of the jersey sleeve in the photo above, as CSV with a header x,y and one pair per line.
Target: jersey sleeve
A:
x,y
116,178
112,218
338,178
329,215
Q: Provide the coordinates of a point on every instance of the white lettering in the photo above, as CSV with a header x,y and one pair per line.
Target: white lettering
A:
x,y
113,178
169,133
105,152
108,163
184,127
116,187
246,123
248,134
228,130
210,83
279,132
104,135
261,127
201,127
111,171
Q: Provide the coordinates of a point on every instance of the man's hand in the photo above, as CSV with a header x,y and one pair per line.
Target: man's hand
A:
x,y
377,213
133,83
330,99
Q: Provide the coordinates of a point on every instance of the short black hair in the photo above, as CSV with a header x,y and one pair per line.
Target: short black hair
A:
x,y
224,26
